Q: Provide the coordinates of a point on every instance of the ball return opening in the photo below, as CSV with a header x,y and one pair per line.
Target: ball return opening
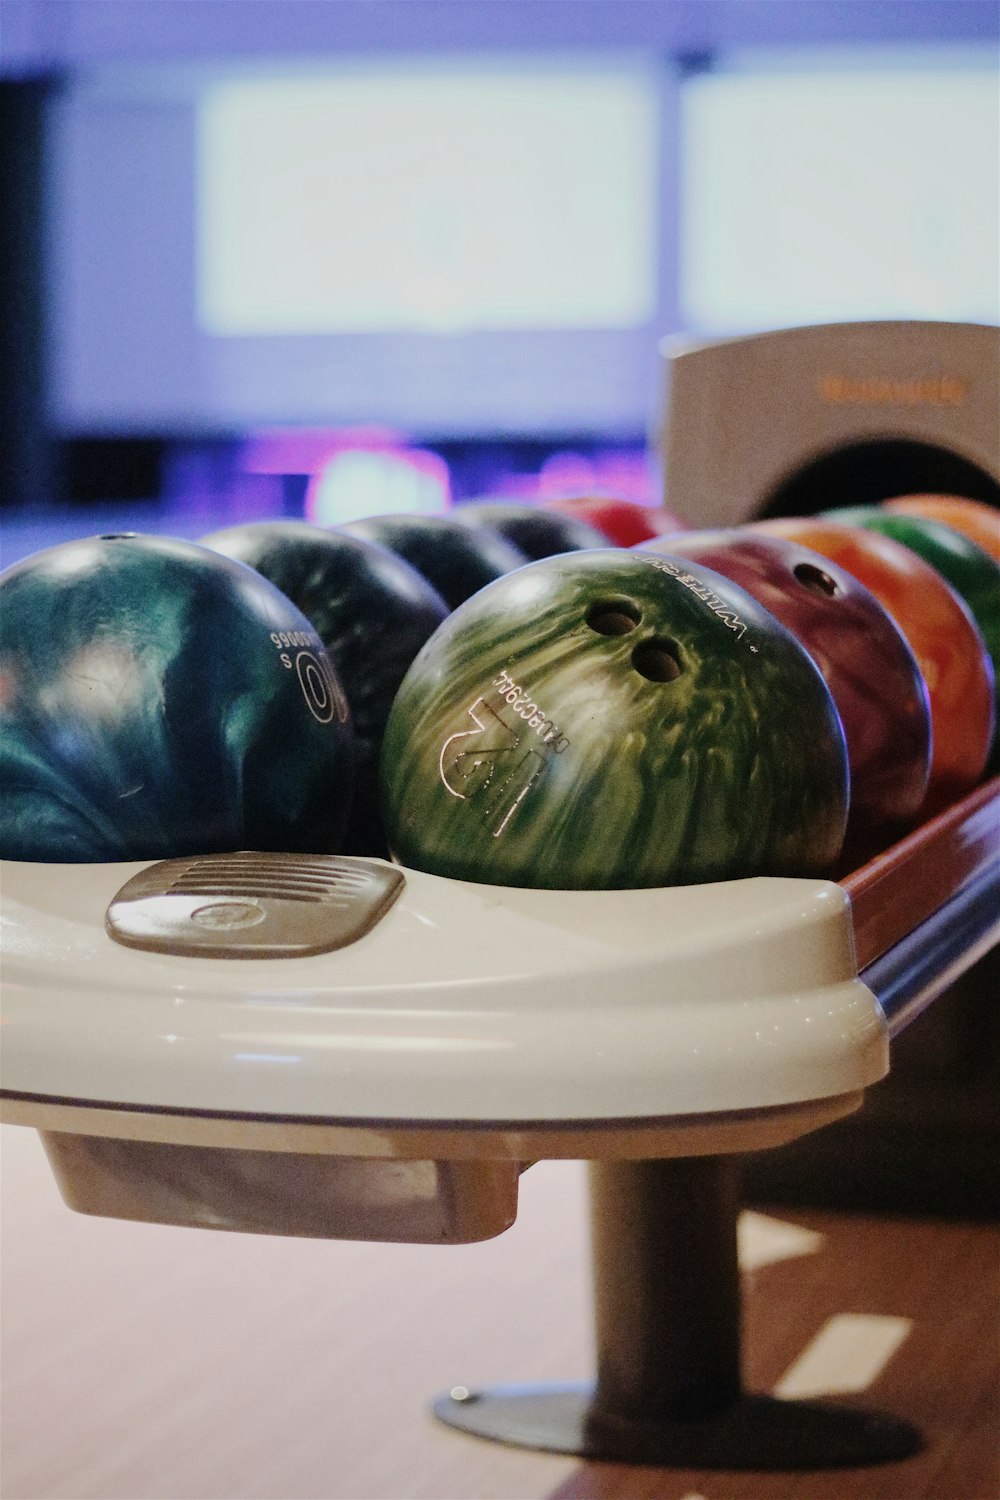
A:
x,y
396,1084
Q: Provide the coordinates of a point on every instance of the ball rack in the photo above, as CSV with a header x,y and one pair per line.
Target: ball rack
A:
x,y
667,1285
395,1080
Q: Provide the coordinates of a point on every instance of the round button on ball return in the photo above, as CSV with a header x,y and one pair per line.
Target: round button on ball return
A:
x,y
395,1087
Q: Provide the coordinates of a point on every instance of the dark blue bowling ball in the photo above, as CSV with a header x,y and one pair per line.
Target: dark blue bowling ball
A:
x,y
159,700
372,611
535,531
456,560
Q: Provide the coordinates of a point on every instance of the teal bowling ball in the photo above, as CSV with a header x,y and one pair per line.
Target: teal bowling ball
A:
x,y
158,700
613,719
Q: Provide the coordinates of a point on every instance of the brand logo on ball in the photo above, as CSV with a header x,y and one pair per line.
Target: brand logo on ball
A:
x,y
490,769
513,693
320,688
709,597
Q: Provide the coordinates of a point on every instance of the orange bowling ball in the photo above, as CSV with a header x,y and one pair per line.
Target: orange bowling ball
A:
x,y
942,635
974,519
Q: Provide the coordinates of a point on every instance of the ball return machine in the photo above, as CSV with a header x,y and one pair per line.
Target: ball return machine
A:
x,y
341,1048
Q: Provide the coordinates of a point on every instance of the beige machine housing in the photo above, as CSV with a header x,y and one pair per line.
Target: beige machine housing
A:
x,y
806,419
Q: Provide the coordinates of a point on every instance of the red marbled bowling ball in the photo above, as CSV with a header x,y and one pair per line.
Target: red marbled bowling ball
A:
x,y
872,674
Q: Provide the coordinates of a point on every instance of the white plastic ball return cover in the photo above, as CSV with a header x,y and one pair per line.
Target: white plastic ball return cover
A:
x,y
450,1031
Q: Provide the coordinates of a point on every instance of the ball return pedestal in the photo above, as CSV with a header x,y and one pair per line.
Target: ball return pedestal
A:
x,y
395,1086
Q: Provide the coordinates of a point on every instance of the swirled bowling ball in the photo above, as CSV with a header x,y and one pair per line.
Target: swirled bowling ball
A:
x,y
974,518
612,719
971,571
454,560
941,632
864,657
158,700
371,610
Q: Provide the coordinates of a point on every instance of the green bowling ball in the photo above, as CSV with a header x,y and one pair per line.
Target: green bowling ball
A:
x,y
607,719
158,700
972,573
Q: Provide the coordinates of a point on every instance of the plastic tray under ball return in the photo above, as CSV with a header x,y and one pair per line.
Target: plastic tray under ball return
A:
x,y
340,1048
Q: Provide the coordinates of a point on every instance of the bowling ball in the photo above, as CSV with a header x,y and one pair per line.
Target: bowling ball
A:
x,y
609,719
868,666
625,522
941,633
371,610
455,561
535,531
972,573
158,700
667,521
979,522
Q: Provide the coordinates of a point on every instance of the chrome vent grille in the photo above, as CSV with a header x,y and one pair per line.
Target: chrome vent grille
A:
x,y
292,877
252,905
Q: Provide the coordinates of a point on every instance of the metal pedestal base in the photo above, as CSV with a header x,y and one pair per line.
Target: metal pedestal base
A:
x,y
667,1314
755,1433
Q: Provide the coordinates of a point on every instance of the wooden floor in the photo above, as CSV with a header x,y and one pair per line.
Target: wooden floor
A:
x,y
141,1361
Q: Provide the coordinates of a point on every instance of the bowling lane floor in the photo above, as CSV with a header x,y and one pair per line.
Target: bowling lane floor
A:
x,y
140,1361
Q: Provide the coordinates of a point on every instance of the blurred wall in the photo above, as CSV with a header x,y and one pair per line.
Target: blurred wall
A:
x,y
45,43
40,35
